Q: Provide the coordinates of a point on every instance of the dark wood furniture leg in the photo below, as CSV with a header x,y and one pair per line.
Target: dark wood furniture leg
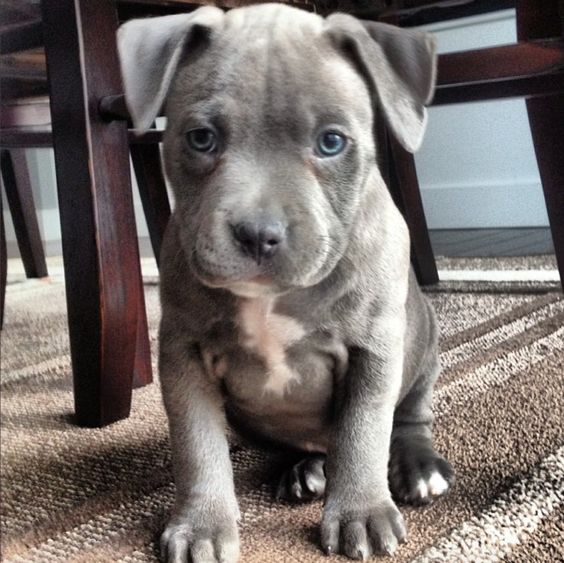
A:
x,y
22,208
99,236
404,187
142,370
152,189
546,118
3,264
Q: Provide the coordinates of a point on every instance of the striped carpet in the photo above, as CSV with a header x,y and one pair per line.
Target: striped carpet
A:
x,y
81,495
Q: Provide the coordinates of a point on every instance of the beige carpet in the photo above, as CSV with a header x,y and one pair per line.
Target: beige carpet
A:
x,y
72,494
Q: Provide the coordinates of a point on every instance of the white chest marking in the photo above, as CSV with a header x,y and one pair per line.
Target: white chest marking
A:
x,y
269,334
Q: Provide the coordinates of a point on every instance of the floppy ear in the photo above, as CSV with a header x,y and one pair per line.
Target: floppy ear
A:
x,y
149,52
400,67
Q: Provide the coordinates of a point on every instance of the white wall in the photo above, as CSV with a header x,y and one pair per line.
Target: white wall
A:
x,y
477,166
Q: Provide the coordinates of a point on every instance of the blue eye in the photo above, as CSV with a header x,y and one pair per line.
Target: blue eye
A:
x,y
331,143
202,140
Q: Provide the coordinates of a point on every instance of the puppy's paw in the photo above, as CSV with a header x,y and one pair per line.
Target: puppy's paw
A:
x,y
360,533
304,481
419,476
200,538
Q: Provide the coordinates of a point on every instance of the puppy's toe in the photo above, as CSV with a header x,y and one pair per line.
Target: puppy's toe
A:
x,y
419,477
304,481
358,531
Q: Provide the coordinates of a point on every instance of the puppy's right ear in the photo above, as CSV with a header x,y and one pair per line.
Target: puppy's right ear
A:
x,y
149,52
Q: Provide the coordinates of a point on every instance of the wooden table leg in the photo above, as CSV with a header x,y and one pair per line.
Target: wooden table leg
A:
x,y
142,370
3,265
546,118
152,189
97,220
22,208
404,188
147,165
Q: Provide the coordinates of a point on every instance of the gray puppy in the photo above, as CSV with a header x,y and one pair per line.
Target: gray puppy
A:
x,y
289,305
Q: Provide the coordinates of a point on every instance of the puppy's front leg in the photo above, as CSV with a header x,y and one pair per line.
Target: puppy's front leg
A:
x,y
203,524
360,517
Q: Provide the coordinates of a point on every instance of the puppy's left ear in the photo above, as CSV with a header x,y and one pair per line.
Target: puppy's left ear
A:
x,y
400,66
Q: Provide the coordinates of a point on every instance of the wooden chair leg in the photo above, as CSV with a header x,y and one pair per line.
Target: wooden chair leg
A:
x,y
152,189
22,208
142,370
147,165
546,118
98,227
3,265
404,188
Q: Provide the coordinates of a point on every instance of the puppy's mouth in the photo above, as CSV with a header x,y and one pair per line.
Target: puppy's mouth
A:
x,y
259,286
250,285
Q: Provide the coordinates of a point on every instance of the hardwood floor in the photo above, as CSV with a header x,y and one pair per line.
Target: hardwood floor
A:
x,y
491,242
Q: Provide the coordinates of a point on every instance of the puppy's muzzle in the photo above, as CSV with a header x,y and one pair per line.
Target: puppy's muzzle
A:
x,y
260,239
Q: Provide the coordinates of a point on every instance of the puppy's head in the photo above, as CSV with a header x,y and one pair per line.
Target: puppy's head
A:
x,y
269,139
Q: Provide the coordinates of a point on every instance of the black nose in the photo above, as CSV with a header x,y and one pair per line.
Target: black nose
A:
x,y
259,239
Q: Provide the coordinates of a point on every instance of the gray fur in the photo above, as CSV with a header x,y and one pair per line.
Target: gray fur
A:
x,y
328,346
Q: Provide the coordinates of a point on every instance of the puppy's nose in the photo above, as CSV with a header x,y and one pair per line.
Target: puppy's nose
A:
x,y
259,239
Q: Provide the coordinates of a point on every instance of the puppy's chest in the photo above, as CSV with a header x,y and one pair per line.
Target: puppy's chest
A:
x,y
269,335
271,357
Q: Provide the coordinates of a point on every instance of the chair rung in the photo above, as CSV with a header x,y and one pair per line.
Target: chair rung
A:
x,y
532,68
21,36
12,138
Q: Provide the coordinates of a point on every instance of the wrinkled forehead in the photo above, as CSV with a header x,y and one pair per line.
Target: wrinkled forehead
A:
x,y
272,64
273,19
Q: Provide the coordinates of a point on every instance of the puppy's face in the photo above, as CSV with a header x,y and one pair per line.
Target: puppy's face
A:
x,y
268,145
269,136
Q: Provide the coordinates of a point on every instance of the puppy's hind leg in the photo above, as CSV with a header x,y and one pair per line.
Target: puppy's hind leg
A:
x,y
304,480
417,473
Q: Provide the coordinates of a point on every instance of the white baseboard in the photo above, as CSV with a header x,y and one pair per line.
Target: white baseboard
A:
x,y
500,275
